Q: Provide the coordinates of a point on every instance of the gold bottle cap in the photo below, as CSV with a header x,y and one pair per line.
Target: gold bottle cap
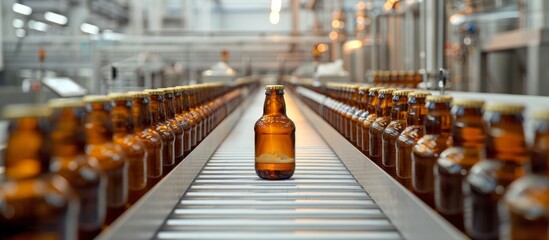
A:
x,y
504,108
119,96
420,94
96,99
472,103
138,94
541,115
439,99
364,88
169,90
375,89
402,92
411,73
386,90
158,91
274,87
66,103
14,111
354,86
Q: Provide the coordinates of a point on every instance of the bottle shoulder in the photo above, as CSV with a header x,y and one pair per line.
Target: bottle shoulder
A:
x,y
107,154
394,129
430,146
131,144
529,196
51,190
150,137
274,121
492,175
458,160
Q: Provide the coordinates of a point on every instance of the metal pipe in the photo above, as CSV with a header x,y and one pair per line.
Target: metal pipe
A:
x,y
434,20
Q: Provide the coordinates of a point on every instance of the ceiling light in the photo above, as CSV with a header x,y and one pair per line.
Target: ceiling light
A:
x,y
89,28
37,25
18,23
21,9
274,17
20,33
56,18
276,5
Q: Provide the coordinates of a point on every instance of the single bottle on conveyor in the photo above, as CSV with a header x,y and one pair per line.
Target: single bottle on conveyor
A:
x,y
274,138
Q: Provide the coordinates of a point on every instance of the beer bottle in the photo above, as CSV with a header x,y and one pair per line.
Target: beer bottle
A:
x,y
367,118
158,113
185,120
185,99
195,110
145,131
453,165
134,149
378,124
171,120
525,204
274,138
353,107
506,155
110,157
409,80
206,110
27,210
362,105
70,161
409,137
393,129
436,139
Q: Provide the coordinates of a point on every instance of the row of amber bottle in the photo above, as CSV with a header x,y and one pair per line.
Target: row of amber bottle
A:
x,y
396,79
466,159
73,166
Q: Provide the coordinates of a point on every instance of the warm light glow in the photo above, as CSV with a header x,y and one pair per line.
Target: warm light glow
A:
x,y
38,26
56,18
274,17
89,28
21,9
333,35
361,5
353,44
18,23
322,47
276,5
336,24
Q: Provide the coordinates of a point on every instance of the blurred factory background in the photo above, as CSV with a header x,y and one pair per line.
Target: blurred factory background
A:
x,y
495,46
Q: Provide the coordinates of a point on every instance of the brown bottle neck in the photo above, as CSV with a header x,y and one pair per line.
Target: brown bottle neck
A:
x,y
416,111
98,124
157,109
274,103
177,104
141,114
122,118
67,136
383,109
169,105
27,154
505,138
185,101
468,127
540,150
438,120
400,108
192,99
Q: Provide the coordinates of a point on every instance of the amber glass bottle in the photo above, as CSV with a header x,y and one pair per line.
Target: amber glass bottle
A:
x,y
393,129
185,120
195,104
134,148
506,155
158,113
195,118
26,193
362,106
195,111
367,118
454,163
145,131
274,138
525,205
169,109
409,137
69,160
205,107
111,159
437,127
378,124
353,107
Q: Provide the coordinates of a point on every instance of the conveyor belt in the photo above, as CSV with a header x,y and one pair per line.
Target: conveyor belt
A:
x,y
321,201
